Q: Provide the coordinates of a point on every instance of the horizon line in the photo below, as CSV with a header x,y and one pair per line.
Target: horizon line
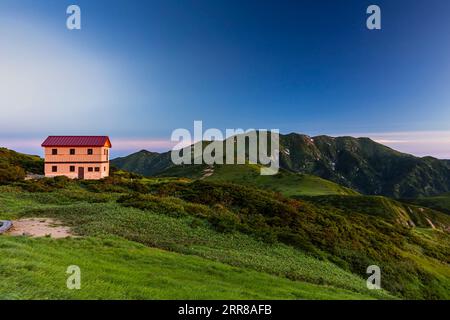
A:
x,y
418,143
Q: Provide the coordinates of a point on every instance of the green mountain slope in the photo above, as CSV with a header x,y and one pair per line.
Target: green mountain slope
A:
x,y
29,163
144,162
237,266
365,165
357,163
440,202
14,165
352,236
326,240
285,182
390,210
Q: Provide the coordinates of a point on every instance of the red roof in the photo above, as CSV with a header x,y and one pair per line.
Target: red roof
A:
x,y
76,141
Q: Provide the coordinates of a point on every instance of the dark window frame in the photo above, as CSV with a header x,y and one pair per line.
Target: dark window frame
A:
x,y
97,169
72,169
90,152
54,152
54,168
72,152
90,169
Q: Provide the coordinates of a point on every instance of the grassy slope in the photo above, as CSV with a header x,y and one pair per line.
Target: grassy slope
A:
x,y
343,228
351,235
354,236
143,162
28,163
317,279
112,268
285,182
388,209
440,202
423,239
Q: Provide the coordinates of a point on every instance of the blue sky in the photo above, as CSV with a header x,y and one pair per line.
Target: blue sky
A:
x,y
140,69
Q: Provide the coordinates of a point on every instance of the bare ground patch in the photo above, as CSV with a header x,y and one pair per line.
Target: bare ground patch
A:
x,y
40,227
208,172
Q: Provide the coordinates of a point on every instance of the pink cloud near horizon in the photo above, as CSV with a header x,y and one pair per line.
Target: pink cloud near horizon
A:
x,y
418,143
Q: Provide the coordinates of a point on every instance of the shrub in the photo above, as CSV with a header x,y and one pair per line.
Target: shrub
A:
x,y
351,239
10,174
45,184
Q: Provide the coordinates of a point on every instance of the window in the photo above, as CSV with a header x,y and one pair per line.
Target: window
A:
x,y
104,168
72,151
54,169
72,168
90,169
97,169
90,151
54,152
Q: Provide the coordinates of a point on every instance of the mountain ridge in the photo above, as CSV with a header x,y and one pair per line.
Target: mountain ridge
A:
x,y
357,163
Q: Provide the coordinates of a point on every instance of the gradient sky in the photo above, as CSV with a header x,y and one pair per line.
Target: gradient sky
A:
x,y
140,69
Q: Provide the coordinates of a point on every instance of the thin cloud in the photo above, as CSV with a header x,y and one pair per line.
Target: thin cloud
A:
x,y
418,143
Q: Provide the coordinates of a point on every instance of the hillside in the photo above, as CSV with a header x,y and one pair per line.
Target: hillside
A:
x,y
364,165
356,163
311,237
144,162
205,260
15,165
440,202
286,182
325,241
395,212
121,269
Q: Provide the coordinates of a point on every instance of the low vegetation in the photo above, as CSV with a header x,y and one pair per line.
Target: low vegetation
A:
x,y
285,182
295,237
102,223
440,202
113,268
325,243
14,165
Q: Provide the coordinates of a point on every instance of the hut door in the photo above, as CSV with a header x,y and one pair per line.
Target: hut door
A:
x,y
80,173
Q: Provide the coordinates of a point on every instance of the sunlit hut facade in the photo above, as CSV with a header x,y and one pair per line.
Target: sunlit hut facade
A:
x,y
77,157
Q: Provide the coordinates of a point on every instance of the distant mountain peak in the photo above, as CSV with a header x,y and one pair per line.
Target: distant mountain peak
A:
x,y
144,151
358,163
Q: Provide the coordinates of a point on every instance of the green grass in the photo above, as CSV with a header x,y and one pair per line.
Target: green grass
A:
x,y
388,209
440,202
189,236
112,268
325,241
285,182
288,236
352,236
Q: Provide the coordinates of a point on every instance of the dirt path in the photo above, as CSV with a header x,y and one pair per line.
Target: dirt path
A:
x,y
208,172
39,227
